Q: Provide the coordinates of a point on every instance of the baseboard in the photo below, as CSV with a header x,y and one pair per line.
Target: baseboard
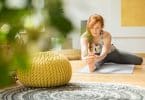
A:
x,y
127,35
140,54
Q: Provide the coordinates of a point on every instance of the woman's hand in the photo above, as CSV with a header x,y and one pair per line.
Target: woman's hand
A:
x,y
91,54
95,57
99,58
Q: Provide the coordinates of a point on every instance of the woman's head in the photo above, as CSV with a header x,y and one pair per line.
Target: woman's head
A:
x,y
95,24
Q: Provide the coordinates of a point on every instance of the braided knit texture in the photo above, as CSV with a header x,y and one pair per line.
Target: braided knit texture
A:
x,y
47,69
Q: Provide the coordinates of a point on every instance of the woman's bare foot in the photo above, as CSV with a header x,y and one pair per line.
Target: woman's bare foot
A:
x,y
91,64
91,60
91,68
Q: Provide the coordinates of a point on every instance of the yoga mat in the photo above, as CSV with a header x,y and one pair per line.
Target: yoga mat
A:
x,y
111,68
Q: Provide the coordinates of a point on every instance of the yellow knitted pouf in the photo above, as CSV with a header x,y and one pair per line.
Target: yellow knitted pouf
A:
x,y
47,69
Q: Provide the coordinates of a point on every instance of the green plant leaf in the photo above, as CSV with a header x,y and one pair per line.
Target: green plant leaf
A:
x,y
57,18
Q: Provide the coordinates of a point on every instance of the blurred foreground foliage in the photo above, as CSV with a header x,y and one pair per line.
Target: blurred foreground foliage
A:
x,y
31,17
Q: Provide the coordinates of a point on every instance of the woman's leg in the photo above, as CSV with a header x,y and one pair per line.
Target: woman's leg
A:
x,y
113,57
99,64
120,57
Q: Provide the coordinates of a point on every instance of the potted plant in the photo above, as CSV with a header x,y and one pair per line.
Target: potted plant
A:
x,y
31,17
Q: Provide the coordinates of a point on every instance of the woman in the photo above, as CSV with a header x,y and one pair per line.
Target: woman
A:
x,y
96,47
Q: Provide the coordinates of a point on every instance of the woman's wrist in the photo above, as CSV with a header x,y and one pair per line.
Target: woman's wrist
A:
x,y
100,57
88,57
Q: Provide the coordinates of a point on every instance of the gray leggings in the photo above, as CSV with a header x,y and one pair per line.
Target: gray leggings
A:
x,y
120,57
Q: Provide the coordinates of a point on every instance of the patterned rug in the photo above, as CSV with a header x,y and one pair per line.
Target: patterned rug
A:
x,y
76,91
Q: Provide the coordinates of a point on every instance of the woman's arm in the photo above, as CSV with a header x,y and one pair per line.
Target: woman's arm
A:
x,y
107,45
84,48
89,58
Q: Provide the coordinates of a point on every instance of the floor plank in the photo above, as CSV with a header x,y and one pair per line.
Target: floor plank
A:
x,y
136,78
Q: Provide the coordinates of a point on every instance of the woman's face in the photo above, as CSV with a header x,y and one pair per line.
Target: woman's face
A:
x,y
96,29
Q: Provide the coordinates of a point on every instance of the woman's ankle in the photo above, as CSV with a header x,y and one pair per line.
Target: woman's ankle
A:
x,y
91,68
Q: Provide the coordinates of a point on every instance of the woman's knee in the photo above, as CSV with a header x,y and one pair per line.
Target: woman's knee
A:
x,y
129,58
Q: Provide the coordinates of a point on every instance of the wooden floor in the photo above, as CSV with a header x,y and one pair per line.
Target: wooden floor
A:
x,y
136,78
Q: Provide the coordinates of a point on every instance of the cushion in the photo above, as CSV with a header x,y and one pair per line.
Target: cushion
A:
x,y
47,69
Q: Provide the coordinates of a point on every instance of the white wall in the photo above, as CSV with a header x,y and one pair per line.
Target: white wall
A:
x,y
130,39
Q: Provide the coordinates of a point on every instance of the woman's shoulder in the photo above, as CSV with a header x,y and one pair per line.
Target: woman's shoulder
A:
x,y
106,34
85,35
